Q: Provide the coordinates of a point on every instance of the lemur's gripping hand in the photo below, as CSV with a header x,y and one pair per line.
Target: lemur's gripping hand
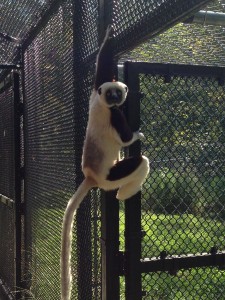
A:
x,y
139,136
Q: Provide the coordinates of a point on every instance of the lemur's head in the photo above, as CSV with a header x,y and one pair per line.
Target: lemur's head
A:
x,y
112,93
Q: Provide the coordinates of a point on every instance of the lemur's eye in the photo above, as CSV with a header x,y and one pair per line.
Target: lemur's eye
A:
x,y
108,93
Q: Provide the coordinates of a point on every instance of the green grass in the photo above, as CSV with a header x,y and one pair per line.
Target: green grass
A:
x,y
180,234
172,233
183,234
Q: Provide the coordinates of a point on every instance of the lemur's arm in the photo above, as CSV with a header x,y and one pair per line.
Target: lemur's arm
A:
x,y
104,62
119,123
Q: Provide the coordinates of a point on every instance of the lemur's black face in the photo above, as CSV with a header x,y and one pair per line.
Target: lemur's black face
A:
x,y
113,96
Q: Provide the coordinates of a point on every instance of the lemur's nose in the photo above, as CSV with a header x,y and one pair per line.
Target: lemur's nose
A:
x,y
115,96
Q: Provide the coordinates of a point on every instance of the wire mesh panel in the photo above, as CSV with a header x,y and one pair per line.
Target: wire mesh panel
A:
x,y
7,184
7,144
88,217
49,150
56,114
182,118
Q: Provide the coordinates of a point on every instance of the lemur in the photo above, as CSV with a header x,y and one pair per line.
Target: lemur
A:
x,y
107,132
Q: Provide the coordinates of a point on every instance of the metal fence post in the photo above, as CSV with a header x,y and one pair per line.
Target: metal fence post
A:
x,y
17,159
109,203
83,218
110,247
133,289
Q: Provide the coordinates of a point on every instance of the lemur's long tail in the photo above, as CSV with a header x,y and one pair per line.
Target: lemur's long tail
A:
x,y
66,242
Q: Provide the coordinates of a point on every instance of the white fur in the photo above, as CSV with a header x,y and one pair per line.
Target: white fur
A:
x,y
107,140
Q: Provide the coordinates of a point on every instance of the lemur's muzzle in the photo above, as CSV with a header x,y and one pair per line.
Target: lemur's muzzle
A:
x,y
113,98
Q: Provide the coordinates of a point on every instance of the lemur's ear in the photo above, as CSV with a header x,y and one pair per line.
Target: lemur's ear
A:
x,y
126,88
99,91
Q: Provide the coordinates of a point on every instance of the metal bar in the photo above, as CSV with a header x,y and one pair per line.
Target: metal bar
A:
x,y
9,38
42,23
110,247
207,18
17,64
109,203
5,293
83,229
5,84
133,289
7,201
168,70
10,66
17,159
27,228
175,263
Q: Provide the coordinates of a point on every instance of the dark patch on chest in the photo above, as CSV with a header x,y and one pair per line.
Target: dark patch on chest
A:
x,y
119,122
124,168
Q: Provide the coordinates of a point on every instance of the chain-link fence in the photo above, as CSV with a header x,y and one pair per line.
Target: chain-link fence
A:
x,y
10,187
183,198
49,150
7,183
182,116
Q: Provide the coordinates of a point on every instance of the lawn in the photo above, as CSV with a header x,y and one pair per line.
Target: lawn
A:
x,y
183,234
172,233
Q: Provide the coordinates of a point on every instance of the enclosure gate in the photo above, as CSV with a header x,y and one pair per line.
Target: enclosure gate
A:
x,y
180,110
10,187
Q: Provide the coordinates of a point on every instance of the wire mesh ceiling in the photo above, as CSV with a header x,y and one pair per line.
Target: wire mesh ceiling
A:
x,y
186,43
16,20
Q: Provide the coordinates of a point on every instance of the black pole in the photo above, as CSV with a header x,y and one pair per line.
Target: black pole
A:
x,y
109,204
84,256
10,66
110,247
133,290
17,159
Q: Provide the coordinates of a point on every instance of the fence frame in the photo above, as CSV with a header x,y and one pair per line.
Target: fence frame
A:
x,y
134,264
13,80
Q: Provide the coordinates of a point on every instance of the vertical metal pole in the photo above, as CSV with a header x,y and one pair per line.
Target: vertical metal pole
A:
x,y
109,204
17,160
83,219
110,247
133,205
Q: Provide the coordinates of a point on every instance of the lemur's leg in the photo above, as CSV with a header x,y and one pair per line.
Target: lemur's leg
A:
x,y
129,174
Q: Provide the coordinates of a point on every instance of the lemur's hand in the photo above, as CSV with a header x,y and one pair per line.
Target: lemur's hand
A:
x,y
139,135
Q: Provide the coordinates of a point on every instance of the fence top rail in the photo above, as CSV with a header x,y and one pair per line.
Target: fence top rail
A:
x,y
6,201
174,263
